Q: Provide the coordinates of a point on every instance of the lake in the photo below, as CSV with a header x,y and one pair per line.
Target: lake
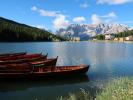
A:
x,y
107,60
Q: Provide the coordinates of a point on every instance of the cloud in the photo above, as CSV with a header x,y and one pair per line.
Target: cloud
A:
x,y
112,14
113,2
109,15
41,26
84,5
44,12
79,19
48,13
96,19
34,8
108,18
60,22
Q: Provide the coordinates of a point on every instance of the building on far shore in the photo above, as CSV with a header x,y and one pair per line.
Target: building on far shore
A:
x,y
116,39
75,39
109,36
122,39
129,38
94,39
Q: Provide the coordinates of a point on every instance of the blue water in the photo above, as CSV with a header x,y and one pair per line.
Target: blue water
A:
x,y
106,60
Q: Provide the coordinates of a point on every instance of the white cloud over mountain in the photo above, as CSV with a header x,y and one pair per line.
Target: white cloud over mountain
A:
x,y
48,13
79,19
109,15
113,2
59,21
108,18
96,19
41,27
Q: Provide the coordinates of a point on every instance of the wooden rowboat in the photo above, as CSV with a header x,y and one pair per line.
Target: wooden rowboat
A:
x,y
45,72
23,60
45,62
12,54
28,65
27,56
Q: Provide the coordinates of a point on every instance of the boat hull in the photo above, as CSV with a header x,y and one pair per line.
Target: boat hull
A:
x,y
20,56
23,60
44,75
7,68
13,54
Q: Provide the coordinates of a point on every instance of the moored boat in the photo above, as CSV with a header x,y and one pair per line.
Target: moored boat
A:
x,y
28,65
12,54
45,62
23,60
16,57
45,72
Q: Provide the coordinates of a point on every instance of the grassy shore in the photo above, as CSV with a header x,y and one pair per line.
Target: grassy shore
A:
x,y
116,89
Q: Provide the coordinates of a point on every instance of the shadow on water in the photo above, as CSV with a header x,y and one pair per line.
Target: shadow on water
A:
x,y
47,89
22,85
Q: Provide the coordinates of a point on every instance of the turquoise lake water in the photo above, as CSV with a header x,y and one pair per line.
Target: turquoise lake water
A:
x,y
107,60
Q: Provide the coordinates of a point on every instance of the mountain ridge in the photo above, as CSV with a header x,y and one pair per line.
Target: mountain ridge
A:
x,y
86,31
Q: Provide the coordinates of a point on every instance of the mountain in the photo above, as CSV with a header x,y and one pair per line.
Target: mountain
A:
x,y
11,31
85,31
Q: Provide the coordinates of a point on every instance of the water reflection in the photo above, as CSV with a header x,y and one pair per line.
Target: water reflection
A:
x,y
15,85
42,90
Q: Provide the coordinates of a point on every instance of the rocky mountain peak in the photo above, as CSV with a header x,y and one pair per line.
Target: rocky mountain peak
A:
x,y
85,31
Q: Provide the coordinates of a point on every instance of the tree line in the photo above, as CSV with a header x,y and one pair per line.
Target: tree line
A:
x,y
121,34
124,34
11,31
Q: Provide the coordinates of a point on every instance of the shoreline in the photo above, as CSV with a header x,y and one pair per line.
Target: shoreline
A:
x,y
110,41
100,41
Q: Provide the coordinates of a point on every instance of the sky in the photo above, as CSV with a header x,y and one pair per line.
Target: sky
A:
x,y
55,14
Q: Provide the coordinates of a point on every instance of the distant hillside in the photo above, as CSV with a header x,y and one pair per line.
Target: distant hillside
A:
x,y
11,31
